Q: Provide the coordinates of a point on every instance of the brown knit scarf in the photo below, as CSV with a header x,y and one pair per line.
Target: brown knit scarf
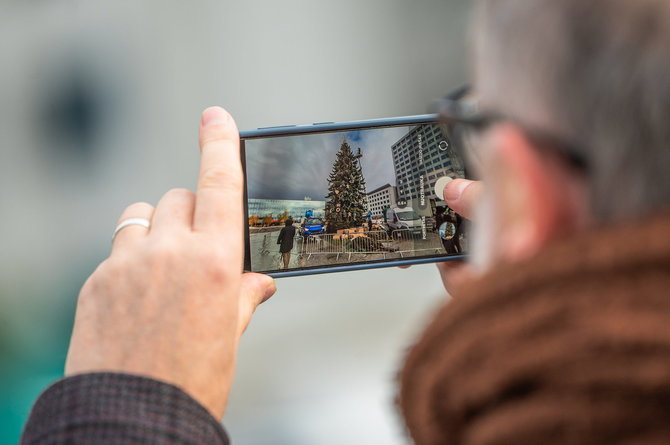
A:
x,y
571,347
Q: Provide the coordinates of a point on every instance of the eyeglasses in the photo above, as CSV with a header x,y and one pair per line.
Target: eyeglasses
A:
x,y
463,123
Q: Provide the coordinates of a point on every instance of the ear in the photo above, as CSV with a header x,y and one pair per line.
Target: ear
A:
x,y
538,197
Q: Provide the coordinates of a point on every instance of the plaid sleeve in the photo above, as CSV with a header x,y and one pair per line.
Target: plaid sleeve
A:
x,y
119,409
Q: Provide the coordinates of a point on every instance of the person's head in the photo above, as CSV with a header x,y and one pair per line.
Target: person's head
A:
x,y
594,75
288,222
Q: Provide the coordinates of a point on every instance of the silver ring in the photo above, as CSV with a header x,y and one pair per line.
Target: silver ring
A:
x,y
131,222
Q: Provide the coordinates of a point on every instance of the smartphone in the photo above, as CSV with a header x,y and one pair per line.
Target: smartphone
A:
x,y
332,197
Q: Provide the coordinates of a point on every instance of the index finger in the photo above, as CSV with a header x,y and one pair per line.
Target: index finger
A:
x,y
218,203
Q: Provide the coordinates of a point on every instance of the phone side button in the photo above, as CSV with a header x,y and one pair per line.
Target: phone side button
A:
x,y
322,123
276,127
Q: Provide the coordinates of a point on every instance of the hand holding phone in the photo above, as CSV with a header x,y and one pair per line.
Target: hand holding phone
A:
x,y
461,195
171,302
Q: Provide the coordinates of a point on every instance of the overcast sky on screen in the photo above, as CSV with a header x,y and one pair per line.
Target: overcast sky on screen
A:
x,y
293,167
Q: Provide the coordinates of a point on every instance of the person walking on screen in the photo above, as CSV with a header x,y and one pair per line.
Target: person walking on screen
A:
x,y
285,241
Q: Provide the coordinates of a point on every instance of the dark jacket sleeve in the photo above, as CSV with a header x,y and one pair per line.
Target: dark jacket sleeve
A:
x,y
280,238
119,409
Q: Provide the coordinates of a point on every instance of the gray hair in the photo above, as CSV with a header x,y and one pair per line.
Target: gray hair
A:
x,y
594,72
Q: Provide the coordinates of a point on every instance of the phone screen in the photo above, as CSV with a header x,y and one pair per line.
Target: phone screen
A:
x,y
354,196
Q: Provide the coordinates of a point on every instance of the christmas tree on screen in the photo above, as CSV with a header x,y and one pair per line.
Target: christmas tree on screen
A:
x,y
345,207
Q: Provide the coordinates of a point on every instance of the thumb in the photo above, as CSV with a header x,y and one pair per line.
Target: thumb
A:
x,y
255,288
462,194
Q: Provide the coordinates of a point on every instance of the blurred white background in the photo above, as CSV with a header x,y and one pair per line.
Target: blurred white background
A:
x,y
99,107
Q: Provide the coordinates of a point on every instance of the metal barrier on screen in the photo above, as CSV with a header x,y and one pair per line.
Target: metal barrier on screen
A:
x,y
357,242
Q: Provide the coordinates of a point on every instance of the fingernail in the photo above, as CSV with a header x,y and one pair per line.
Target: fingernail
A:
x,y
214,116
454,190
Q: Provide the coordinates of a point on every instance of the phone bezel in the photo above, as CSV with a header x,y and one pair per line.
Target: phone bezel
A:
x,y
331,127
